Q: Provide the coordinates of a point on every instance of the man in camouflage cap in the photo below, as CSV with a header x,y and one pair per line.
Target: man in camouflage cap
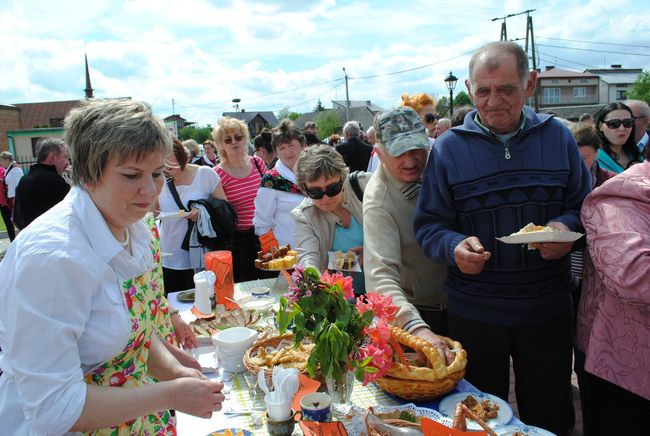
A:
x,y
394,263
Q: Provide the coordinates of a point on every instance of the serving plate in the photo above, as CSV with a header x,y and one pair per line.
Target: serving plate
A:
x,y
529,430
331,258
448,407
172,215
528,238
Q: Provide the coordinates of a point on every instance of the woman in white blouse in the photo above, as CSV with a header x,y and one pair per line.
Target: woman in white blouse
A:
x,y
278,193
80,294
192,182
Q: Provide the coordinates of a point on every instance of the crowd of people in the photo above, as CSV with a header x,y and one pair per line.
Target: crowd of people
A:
x,y
418,198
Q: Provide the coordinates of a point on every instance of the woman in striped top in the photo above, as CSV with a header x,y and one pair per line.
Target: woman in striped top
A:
x,y
240,176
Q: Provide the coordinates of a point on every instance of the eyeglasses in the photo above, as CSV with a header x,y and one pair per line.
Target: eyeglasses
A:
x,y
230,139
616,123
430,118
330,191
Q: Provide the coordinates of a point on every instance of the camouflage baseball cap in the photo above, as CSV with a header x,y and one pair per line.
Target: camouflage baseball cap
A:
x,y
400,130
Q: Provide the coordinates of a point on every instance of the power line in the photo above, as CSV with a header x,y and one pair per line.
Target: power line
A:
x,y
414,68
565,60
595,42
593,50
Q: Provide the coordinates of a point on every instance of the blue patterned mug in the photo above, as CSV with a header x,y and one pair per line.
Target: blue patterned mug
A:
x,y
316,407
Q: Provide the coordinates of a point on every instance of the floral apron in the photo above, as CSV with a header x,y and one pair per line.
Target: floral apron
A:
x,y
128,368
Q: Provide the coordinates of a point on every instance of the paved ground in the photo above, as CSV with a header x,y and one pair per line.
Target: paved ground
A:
x,y
4,243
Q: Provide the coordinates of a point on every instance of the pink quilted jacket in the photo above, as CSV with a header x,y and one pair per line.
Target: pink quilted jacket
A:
x,y
614,315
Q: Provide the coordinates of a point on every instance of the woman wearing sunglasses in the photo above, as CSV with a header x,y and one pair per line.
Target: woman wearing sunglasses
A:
x,y
616,129
331,218
192,182
240,175
278,193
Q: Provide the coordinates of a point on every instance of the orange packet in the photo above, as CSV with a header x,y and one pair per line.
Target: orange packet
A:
x,y
432,428
306,386
313,428
267,240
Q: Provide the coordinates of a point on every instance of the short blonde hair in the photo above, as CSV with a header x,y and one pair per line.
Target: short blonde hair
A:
x,y
100,130
227,125
417,101
319,160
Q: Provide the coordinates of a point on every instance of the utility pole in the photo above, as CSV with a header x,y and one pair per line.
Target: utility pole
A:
x,y
504,32
529,33
347,97
174,117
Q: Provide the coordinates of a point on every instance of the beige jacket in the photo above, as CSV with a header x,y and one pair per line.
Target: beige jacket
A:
x,y
314,232
394,263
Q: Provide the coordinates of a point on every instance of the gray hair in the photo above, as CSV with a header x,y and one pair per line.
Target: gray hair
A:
x,y
442,122
488,53
320,160
7,155
352,129
193,147
45,146
642,106
101,130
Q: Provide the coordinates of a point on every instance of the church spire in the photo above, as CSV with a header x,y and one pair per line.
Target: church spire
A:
x,y
89,88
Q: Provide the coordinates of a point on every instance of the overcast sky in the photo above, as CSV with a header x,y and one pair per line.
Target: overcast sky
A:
x,y
274,54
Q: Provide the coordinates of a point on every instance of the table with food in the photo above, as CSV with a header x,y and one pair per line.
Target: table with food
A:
x,y
244,349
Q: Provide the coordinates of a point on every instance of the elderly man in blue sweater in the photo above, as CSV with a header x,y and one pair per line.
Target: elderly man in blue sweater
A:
x,y
504,167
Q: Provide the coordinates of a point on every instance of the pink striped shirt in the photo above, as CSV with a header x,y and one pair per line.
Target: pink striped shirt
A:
x,y
241,193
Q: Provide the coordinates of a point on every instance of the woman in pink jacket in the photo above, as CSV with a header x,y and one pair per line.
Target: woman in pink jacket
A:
x,y
614,316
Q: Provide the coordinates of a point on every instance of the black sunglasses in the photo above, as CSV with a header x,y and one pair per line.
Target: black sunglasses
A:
x,y
235,138
330,191
430,118
616,123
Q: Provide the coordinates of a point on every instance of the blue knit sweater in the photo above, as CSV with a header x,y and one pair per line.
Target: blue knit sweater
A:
x,y
471,188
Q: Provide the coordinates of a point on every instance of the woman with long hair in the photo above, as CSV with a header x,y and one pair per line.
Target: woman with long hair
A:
x,y
615,124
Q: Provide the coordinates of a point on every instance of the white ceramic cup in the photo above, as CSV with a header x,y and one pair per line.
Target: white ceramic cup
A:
x,y
231,345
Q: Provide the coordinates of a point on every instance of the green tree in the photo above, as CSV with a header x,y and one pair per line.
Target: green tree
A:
x,y
641,88
462,99
328,122
319,107
197,133
285,112
442,107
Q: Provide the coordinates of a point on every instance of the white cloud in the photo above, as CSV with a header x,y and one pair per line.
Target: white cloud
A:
x,y
275,54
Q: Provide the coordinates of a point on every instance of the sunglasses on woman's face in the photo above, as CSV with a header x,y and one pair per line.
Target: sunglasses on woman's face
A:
x,y
616,123
430,118
330,190
230,139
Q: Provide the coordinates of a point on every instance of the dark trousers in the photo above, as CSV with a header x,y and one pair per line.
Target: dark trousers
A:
x,y
6,217
608,409
178,279
436,320
245,247
541,357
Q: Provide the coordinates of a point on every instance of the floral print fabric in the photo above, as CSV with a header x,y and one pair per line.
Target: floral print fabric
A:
x,y
273,180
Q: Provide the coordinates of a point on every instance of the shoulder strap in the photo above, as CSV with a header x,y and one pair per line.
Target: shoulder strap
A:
x,y
354,181
11,167
174,192
259,170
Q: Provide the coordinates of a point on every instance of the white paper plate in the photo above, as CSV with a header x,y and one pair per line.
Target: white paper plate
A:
x,y
205,355
509,430
330,263
260,304
172,215
527,238
448,407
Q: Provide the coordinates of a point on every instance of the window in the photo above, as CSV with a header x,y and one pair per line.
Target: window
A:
x,y
620,94
580,92
56,122
583,80
551,96
34,142
555,80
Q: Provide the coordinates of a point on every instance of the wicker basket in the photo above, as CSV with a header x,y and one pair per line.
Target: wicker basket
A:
x,y
421,390
416,390
272,341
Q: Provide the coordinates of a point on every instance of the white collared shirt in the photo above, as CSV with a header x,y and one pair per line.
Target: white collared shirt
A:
x,y
643,142
12,179
62,312
272,209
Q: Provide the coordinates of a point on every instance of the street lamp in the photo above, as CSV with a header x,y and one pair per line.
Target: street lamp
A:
x,y
450,81
236,105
